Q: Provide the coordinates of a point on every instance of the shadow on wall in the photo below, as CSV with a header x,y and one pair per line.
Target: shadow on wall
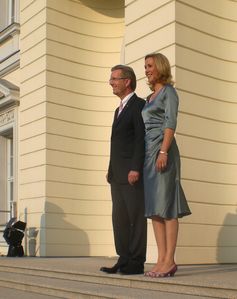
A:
x,y
61,238
30,240
107,7
57,236
227,240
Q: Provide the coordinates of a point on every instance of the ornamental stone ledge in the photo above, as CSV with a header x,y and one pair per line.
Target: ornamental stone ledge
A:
x,y
7,117
9,94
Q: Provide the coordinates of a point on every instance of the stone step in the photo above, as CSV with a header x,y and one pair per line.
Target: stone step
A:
x,y
71,284
6,293
70,289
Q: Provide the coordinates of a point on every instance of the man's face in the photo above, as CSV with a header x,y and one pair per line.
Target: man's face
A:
x,y
118,83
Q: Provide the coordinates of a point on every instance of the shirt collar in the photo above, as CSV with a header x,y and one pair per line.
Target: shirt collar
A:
x,y
127,98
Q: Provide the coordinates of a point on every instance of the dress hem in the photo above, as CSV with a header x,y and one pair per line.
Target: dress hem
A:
x,y
165,217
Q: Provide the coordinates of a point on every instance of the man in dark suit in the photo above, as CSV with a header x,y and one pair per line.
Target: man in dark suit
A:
x,y
125,175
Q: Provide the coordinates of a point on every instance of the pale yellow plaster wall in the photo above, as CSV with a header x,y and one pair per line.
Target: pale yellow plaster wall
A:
x,y
84,40
149,28
206,74
31,124
68,48
199,38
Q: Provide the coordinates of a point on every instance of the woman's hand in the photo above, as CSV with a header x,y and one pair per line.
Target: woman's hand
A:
x,y
161,161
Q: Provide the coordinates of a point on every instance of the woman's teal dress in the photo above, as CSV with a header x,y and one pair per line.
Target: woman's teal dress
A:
x,y
164,195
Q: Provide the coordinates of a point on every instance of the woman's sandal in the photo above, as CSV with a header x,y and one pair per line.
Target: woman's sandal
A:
x,y
169,273
149,274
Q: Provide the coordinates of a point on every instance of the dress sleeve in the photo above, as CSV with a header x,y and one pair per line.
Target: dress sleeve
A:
x,y
171,107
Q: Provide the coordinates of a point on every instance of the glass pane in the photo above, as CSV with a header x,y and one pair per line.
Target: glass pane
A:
x,y
3,14
11,158
10,171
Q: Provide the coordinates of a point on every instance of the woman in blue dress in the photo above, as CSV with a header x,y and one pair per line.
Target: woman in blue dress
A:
x,y
165,201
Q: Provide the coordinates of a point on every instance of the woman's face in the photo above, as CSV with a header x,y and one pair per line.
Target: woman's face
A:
x,y
151,71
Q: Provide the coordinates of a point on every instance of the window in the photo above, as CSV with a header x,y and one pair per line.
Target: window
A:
x,y
9,36
9,94
9,175
9,13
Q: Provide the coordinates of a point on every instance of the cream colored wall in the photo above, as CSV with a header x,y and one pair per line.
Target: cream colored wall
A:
x,y
149,28
67,107
32,124
199,38
206,74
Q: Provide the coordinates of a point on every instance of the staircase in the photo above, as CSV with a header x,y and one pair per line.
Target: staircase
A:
x,y
80,278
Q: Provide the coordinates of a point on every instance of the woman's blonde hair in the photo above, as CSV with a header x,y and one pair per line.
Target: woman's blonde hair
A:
x,y
163,68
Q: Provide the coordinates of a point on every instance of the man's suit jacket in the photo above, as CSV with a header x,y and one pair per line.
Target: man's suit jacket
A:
x,y
127,142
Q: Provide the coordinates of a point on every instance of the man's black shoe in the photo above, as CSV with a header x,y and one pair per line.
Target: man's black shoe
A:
x,y
111,270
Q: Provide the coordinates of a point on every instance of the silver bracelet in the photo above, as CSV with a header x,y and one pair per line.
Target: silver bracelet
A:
x,y
165,153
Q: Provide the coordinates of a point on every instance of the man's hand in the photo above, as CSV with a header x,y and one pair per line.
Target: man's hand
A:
x,y
133,177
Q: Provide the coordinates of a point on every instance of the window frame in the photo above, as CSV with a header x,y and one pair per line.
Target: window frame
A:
x,y
11,14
